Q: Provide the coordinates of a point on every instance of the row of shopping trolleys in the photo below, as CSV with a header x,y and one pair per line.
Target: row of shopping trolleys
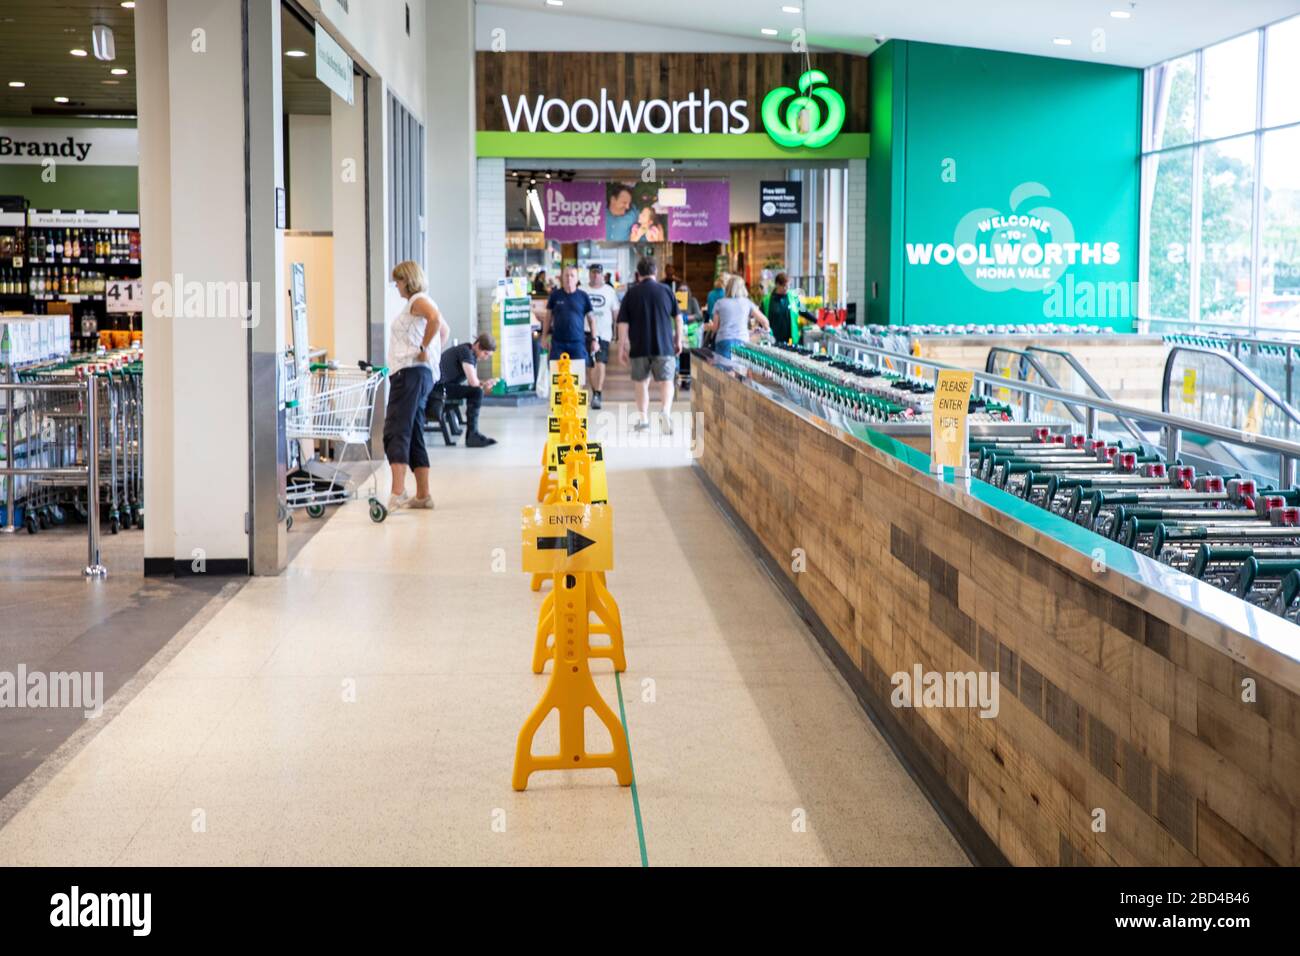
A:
x,y
858,392
1224,530
50,433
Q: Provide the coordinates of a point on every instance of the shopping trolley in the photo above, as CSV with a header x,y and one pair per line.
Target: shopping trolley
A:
x,y
327,402
51,428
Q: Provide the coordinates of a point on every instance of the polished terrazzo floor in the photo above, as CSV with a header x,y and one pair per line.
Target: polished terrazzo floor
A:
x,y
362,707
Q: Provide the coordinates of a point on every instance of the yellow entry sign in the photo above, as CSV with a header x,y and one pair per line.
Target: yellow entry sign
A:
x,y
599,488
567,538
952,391
1189,386
576,368
555,436
558,394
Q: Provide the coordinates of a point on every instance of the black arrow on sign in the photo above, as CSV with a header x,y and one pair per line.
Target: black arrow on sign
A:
x,y
573,542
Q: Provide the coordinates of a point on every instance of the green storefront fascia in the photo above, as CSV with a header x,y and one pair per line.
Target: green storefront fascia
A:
x,y
665,146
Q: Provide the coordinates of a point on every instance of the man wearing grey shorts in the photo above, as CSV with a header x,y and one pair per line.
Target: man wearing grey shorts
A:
x,y
650,334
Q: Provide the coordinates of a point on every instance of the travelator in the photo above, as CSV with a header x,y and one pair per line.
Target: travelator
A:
x,y
1201,379
1120,471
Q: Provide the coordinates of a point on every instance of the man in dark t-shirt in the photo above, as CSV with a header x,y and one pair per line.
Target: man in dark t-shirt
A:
x,y
458,379
650,334
568,319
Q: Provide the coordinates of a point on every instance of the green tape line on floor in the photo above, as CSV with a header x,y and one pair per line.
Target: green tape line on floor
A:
x,y
636,800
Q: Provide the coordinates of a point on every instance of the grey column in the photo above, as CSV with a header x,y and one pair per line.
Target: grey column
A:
x,y
264,131
450,157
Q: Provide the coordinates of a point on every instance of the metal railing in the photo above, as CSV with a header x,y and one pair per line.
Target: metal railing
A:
x,y
1031,352
1172,426
1237,366
1026,363
1226,328
90,471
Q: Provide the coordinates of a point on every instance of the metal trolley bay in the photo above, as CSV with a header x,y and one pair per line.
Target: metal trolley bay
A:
x,y
327,402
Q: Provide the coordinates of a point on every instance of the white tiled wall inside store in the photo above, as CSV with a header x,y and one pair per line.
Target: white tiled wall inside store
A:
x,y
490,256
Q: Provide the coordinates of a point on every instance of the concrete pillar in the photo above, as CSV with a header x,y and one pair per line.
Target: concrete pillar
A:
x,y
265,272
212,262
854,278
450,151
152,76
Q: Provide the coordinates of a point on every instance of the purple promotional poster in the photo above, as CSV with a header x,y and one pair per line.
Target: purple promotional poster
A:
x,y
706,217
575,211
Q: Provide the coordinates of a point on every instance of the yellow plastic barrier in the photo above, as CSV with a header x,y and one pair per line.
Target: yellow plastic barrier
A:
x,y
568,537
571,541
578,468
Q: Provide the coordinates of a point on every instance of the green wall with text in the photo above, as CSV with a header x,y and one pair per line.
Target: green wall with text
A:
x,y
75,187
959,135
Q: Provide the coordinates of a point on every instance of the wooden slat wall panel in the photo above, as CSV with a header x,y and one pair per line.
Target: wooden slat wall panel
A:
x,y
1102,705
646,76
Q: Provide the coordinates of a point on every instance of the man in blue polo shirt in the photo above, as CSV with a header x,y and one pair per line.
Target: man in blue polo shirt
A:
x,y
568,320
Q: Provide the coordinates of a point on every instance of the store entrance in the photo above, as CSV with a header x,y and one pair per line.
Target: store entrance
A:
x,y
699,220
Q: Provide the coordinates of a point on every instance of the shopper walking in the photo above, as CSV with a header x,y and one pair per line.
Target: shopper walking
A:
x,y
717,292
459,380
567,321
604,310
410,381
731,316
650,335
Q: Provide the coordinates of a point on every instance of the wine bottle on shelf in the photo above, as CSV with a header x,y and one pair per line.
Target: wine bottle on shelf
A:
x,y
49,244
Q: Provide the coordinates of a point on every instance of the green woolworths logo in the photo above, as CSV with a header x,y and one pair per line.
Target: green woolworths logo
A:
x,y
819,130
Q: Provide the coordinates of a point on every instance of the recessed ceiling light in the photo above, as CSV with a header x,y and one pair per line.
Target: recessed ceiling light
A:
x,y
77,51
555,3
17,84
1121,14
128,4
60,99
1062,41
111,82
768,32
118,71
790,10
295,52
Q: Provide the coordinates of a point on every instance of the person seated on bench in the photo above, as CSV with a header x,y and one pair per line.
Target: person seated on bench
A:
x,y
459,367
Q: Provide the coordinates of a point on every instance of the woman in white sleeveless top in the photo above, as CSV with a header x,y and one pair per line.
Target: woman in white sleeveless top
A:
x,y
409,384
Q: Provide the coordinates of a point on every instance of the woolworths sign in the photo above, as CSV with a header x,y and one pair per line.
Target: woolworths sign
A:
x,y
1031,246
811,116
1027,246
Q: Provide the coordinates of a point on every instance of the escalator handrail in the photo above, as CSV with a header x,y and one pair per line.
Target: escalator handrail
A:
x,y
1232,362
1233,436
1093,385
1027,359
1187,327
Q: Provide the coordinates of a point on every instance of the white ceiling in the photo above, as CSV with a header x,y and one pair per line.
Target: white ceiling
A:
x,y
1157,30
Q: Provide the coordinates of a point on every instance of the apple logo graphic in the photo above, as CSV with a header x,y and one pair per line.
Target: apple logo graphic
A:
x,y
989,230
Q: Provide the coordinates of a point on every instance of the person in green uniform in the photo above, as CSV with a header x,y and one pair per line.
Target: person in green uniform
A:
x,y
777,309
